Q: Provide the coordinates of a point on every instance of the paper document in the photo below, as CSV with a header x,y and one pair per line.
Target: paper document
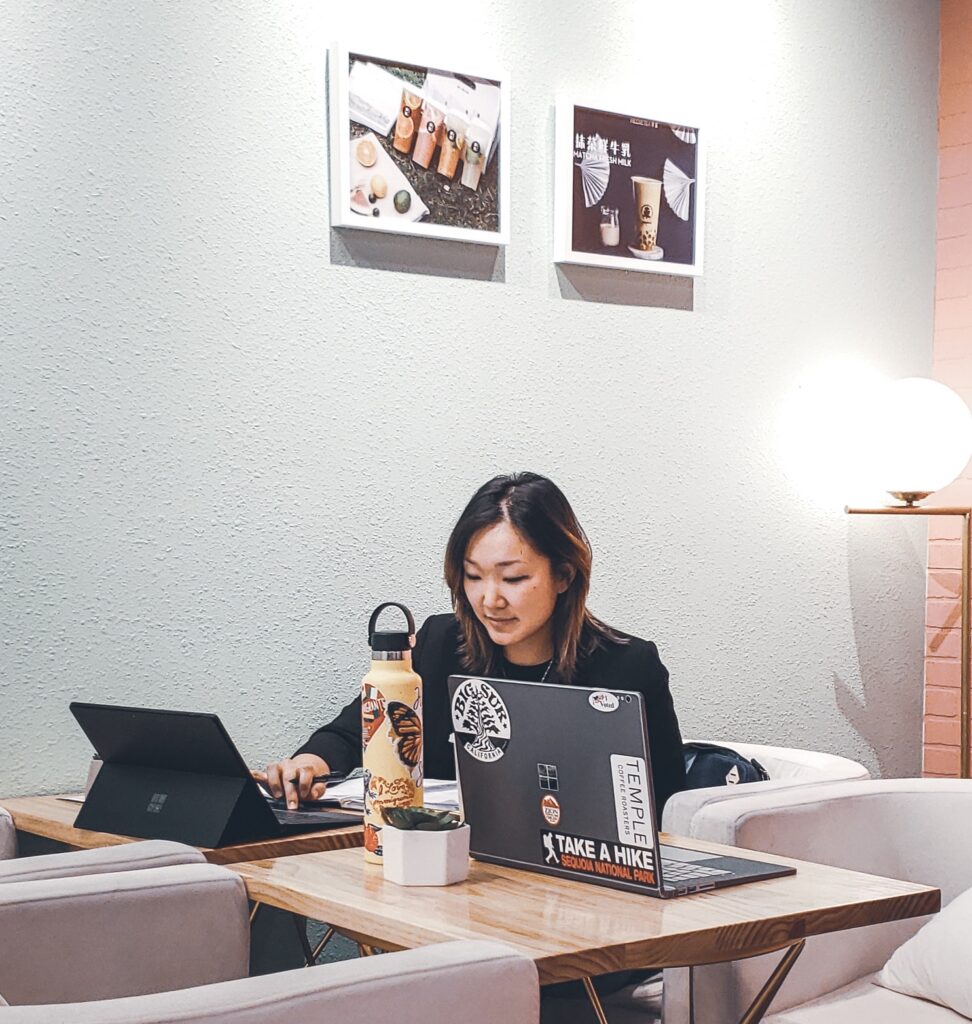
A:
x,y
442,794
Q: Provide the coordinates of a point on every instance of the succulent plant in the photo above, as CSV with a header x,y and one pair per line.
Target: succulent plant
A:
x,y
420,819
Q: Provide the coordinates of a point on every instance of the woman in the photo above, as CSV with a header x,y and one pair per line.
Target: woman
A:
x,y
518,566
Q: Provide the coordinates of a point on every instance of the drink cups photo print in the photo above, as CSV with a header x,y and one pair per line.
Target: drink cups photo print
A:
x,y
628,191
418,150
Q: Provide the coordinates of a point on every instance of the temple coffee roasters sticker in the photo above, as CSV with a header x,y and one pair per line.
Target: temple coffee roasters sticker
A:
x,y
480,720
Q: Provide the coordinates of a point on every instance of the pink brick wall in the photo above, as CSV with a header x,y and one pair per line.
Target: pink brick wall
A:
x,y
952,366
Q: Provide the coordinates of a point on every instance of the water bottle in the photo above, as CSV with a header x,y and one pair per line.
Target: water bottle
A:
x,y
391,727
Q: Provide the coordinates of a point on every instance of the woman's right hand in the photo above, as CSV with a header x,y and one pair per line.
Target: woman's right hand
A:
x,y
292,779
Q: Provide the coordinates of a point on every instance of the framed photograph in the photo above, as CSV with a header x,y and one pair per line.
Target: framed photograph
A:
x,y
418,149
628,190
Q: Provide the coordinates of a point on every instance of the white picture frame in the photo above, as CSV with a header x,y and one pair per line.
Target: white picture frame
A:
x,y
644,146
439,206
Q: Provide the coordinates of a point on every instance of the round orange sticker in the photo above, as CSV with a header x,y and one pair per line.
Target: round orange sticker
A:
x,y
551,809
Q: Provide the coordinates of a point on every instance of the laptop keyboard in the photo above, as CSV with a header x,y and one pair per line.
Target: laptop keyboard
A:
x,y
679,871
289,817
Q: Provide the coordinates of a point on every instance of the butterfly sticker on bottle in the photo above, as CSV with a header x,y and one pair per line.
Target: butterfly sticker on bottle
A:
x,y
406,725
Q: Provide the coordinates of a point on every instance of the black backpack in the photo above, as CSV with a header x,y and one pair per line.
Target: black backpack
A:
x,y
707,764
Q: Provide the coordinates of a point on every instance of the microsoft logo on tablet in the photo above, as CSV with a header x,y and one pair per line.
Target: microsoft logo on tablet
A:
x,y
155,804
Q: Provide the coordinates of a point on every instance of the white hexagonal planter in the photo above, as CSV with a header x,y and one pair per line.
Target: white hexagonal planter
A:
x,y
411,857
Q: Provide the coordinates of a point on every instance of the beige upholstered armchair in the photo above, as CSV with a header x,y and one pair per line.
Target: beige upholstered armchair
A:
x,y
919,830
169,943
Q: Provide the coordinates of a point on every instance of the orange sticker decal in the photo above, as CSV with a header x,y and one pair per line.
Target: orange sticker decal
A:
x,y
372,713
550,809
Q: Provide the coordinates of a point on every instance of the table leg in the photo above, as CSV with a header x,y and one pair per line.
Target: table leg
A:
x,y
759,1006
254,912
595,1001
300,923
319,948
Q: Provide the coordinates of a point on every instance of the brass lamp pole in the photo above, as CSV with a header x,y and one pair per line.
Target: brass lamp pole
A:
x,y
911,509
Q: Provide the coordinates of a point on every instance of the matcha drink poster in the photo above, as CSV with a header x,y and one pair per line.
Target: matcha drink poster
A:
x,y
418,149
628,190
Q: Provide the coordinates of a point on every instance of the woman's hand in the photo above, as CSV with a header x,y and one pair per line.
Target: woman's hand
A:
x,y
292,779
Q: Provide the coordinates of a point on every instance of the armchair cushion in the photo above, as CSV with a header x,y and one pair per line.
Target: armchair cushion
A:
x,y
934,964
863,1002
73,939
475,982
155,853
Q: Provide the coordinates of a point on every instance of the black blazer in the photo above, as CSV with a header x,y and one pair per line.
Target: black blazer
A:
x,y
634,665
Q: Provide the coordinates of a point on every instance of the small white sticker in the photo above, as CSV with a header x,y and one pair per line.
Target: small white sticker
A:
x,y
601,700
480,720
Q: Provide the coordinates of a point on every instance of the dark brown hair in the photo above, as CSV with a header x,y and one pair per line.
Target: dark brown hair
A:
x,y
537,509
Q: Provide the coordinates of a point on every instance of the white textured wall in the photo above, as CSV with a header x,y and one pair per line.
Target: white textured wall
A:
x,y
228,431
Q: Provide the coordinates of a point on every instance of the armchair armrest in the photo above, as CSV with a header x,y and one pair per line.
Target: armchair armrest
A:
x,y
788,767
8,836
475,982
154,853
102,936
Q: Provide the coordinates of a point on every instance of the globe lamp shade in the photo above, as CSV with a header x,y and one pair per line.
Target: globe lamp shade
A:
x,y
922,437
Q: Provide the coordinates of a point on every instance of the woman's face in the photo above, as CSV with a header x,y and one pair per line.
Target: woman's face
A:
x,y
513,591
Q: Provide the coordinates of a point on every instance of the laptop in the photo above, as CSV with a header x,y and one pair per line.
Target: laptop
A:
x,y
177,775
557,779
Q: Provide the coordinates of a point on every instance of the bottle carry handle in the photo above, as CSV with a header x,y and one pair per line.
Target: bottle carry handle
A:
x,y
372,622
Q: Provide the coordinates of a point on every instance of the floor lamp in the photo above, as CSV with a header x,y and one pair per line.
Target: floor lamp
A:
x,y
966,514
924,435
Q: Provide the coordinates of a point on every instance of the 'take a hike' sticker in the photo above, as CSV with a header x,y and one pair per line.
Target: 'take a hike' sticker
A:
x,y
598,857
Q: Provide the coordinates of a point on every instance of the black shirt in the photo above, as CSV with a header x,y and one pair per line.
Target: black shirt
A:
x,y
633,665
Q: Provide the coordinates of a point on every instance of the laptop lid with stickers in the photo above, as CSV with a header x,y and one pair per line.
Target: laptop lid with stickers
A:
x,y
556,778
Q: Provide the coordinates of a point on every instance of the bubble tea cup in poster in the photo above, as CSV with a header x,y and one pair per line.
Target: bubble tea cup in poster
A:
x,y
473,157
429,134
453,140
408,120
647,200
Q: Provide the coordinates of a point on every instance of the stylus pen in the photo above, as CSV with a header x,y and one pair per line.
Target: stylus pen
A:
x,y
333,777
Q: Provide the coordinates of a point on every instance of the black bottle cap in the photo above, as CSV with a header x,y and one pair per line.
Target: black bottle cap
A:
x,y
386,640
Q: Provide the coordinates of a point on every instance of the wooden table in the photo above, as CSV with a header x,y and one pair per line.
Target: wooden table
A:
x,y
574,930
53,818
